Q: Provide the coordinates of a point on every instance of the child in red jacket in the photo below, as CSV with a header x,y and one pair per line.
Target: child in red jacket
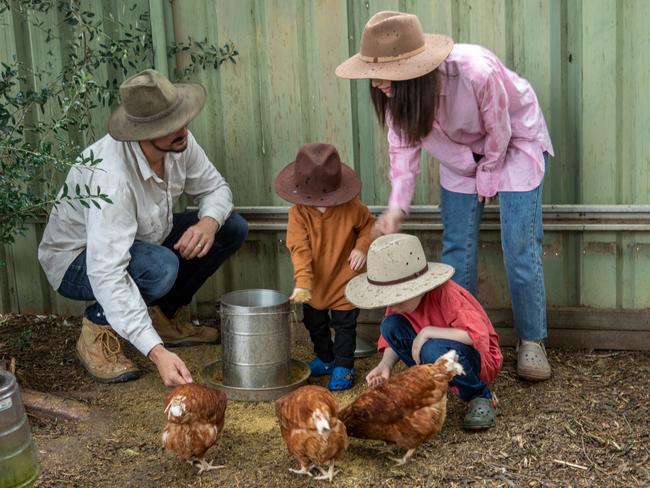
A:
x,y
427,316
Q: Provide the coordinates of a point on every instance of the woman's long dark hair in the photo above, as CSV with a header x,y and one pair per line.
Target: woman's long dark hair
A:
x,y
412,106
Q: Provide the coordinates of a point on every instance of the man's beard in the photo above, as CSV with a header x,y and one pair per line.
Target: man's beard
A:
x,y
169,149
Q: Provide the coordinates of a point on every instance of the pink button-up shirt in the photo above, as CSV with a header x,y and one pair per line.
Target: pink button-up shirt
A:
x,y
482,108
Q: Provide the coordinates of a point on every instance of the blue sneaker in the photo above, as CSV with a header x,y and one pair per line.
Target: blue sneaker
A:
x,y
342,379
319,368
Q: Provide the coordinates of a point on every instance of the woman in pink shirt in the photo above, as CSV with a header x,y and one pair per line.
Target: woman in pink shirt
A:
x,y
484,125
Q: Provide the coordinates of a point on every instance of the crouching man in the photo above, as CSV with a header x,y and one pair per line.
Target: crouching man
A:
x,y
134,257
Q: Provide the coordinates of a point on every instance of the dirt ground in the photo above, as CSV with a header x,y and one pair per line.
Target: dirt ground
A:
x,y
587,426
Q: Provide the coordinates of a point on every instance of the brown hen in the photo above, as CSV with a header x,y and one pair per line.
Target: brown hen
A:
x,y
195,417
311,429
406,409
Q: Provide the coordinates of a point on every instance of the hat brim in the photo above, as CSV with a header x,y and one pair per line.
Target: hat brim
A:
x,y
437,48
349,188
121,128
363,294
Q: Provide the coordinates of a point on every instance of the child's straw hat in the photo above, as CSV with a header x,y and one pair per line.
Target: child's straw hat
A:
x,y
397,271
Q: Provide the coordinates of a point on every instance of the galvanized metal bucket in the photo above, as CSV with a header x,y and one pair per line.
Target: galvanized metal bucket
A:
x,y
19,466
256,338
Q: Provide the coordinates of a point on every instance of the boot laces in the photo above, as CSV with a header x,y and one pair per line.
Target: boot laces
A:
x,y
110,344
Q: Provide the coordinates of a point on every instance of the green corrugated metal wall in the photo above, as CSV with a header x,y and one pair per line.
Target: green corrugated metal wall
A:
x,y
589,62
23,286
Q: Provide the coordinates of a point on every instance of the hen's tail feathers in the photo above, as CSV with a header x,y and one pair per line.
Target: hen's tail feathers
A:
x,y
452,366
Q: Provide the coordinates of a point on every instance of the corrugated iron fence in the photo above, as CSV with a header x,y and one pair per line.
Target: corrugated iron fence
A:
x,y
589,62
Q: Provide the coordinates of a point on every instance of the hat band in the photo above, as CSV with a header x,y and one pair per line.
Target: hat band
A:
x,y
386,59
400,280
158,116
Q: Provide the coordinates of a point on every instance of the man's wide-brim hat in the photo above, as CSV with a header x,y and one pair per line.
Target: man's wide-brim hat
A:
x,y
317,178
397,271
152,107
393,47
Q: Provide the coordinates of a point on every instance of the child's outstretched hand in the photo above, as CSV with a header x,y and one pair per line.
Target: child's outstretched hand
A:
x,y
357,260
378,375
300,295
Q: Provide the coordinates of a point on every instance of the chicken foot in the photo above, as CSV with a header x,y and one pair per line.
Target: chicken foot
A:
x,y
401,461
385,449
204,465
326,474
303,470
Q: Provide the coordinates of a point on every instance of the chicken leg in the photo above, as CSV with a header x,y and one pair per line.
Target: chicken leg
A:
x,y
401,461
204,465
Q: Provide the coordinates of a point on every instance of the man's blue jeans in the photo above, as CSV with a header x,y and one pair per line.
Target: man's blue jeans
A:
x,y
399,333
163,277
521,241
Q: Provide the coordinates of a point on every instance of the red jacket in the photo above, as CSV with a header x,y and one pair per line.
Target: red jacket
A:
x,y
450,305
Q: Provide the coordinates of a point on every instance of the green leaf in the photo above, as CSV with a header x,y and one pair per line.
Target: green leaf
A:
x,y
65,98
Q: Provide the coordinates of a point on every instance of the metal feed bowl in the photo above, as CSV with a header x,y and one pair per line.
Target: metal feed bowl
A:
x,y
256,338
268,394
364,348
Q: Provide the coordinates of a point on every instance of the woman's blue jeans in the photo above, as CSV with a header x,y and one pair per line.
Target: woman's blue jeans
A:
x,y
163,277
521,241
399,333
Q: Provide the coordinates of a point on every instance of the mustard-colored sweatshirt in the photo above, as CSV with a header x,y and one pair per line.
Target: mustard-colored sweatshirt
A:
x,y
320,245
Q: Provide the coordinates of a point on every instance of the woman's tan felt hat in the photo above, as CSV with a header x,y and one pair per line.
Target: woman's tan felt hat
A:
x,y
397,271
393,47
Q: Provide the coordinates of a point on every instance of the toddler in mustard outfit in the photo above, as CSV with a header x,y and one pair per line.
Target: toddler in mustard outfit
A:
x,y
328,236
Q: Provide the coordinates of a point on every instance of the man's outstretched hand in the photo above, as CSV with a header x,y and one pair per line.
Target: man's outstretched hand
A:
x,y
171,368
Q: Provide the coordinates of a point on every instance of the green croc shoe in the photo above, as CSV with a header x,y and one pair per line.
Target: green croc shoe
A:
x,y
481,414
